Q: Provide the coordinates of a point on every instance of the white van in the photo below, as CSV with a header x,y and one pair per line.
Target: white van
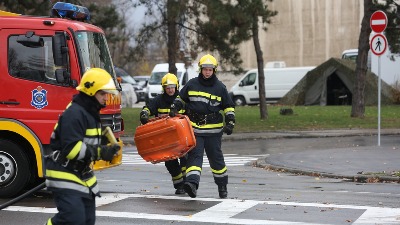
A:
x,y
350,54
154,84
388,63
278,81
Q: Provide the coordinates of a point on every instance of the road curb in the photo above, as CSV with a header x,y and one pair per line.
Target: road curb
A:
x,y
356,178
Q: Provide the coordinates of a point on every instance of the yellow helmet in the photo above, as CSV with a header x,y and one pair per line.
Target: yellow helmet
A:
x,y
96,79
208,61
168,79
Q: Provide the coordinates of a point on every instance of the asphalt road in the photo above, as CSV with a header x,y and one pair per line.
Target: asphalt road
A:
x,y
280,145
138,192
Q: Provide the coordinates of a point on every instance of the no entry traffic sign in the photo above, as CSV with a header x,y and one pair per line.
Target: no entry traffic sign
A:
x,y
378,44
378,21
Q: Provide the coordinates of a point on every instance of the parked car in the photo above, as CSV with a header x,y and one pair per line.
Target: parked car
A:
x,y
128,96
278,82
183,73
143,80
126,78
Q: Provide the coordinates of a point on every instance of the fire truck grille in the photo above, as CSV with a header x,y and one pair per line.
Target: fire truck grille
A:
x,y
111,120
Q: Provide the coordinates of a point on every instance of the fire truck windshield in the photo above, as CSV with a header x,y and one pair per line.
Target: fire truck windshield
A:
x,y
94,51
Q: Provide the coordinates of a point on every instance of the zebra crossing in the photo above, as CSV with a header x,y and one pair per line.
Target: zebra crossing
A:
x,y
133,158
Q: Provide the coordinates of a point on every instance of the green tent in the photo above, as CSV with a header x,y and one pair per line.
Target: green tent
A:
x,y
332,82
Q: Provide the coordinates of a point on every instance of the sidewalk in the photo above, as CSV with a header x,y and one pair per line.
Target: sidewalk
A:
x,y
361,164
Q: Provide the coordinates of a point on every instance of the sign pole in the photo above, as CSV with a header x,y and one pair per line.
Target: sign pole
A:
x,y
378,44
379,100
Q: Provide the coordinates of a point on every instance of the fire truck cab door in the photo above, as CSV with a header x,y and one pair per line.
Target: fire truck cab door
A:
x,y
30,92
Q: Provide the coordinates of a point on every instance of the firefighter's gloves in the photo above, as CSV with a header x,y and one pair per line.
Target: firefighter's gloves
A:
x,y
173,110
228,128
104,152
144,116
107,152
92,153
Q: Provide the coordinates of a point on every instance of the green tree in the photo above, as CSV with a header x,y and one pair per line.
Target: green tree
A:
x,y
392,10
254,14
206,26
392,31
109,19
32,7
105,16
218,26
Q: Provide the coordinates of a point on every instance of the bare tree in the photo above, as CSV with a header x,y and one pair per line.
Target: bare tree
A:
x,y
212,26
358,101
251,14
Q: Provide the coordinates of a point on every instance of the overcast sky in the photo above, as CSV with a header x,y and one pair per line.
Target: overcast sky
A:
x,y
134,16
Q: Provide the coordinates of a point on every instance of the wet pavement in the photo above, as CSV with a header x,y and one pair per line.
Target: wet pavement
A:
x,y
370,163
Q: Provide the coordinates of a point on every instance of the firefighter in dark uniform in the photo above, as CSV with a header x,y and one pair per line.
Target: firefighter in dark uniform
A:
x,y
160,106
76,143
204,98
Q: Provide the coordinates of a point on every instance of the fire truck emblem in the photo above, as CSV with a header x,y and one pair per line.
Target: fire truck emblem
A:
x,y
39,98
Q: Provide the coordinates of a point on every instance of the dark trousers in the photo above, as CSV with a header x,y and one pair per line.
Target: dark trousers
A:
x,y
177,169
74,210
212,146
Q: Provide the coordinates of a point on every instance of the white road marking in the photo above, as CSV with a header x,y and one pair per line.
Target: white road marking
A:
x,y
230,160
379,216
226,209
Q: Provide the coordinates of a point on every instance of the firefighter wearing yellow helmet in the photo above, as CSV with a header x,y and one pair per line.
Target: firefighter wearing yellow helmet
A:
x,y
159,106
169,80
207,103
76,143
96,79
208,61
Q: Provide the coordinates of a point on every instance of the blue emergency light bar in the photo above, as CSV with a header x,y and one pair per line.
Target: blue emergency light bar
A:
x,y
70,11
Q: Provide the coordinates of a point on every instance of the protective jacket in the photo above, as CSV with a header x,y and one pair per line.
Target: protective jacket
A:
x,y
203,101
161,105
68,168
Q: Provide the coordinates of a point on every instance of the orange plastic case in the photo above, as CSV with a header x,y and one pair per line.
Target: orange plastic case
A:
x,y
164,138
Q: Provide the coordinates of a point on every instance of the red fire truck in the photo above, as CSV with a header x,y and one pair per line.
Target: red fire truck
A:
x,y
42,60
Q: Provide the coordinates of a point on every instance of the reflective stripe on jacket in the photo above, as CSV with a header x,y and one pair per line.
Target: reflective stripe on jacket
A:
x,y
206,100
75,129
160,105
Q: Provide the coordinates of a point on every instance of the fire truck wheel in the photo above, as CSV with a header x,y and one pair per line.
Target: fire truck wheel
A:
x,y
14,169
